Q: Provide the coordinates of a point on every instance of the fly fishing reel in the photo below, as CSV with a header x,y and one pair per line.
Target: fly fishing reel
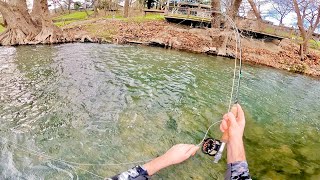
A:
x,y
213,147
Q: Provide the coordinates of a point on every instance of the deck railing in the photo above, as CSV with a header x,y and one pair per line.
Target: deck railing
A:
x,y
189,11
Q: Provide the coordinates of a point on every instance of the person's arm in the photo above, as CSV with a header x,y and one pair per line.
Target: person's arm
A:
x,y
233,124
175,155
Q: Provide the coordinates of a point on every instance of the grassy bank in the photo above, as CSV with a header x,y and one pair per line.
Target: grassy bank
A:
x,y
66,19
74,15
2,29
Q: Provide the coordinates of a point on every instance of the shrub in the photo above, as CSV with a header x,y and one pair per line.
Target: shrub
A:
x,y
299,68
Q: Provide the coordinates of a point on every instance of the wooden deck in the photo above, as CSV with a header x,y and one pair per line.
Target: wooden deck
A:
x,y
188,20
260,35
206,22
152,11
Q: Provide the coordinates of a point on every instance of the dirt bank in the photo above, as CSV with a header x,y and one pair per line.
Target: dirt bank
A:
x,y
283,55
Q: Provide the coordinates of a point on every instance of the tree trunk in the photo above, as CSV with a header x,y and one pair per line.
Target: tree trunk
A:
x,y
61,7
303,50
301,28
20,28
281,21
216,16
50,33
85,9
33,28
54,8
255,10
234,9
69,6
36,13
305,33
126,8
95,7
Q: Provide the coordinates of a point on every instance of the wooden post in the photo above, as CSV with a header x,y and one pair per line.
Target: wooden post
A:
x,y
126,9
167,9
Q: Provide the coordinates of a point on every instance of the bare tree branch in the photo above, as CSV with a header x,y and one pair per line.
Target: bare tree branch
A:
x,y
308,19
281,8
255,10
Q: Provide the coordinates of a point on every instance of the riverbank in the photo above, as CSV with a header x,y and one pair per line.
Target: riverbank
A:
x,y
157,32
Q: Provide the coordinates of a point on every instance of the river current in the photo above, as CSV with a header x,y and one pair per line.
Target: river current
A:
x,y
108,104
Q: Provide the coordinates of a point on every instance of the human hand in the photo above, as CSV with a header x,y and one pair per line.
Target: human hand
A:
x,y
233,124
180,152
176,154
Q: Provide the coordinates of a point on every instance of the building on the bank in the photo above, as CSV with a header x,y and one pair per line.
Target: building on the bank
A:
x,y
316,36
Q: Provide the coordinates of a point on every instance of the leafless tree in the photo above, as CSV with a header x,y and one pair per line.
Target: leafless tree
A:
x,y
255,10
280,9
60,3
245,7
68,3
308,19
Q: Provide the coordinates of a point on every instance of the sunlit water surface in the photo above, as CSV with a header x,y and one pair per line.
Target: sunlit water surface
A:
x,y
109,104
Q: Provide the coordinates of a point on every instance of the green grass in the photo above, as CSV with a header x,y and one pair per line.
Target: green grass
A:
x,y
2,29
284,34
271,30
115,16
149,17
64,23
96,30
78,16
66,19
74,16
314,44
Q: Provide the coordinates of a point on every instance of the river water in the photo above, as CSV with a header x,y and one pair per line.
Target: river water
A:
x,y
110,104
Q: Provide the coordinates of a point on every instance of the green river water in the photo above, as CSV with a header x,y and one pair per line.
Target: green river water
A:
x,y
102,104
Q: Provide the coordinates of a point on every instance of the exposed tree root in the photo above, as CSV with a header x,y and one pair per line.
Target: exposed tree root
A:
x,y
35,27
46,36
14,36
50,35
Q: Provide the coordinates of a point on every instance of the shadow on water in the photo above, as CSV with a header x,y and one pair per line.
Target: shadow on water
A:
x,y
92,103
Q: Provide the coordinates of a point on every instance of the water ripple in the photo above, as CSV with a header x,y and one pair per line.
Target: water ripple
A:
x,y
96,103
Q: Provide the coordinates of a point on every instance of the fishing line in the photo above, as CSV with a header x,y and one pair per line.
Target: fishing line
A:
x,y
39,154
71,162
234,98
